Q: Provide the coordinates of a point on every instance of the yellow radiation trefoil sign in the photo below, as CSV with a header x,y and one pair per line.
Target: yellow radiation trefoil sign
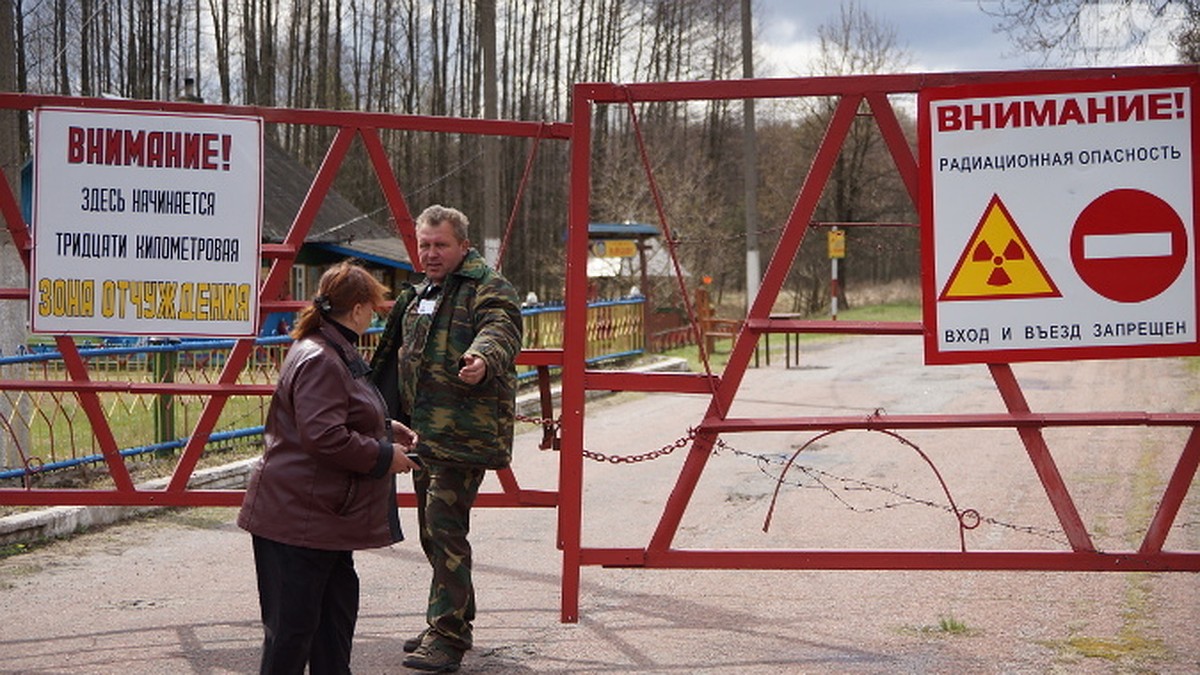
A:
x,y
998,262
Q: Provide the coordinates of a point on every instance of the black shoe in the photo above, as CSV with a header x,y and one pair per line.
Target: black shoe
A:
x,y
434,656
411,644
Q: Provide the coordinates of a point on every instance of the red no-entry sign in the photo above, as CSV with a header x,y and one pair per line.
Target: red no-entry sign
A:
x,y
1129,245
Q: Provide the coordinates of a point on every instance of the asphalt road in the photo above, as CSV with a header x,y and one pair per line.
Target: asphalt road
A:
x,y
175,593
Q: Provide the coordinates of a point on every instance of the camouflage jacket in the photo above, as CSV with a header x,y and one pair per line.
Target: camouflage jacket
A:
x,y
417,362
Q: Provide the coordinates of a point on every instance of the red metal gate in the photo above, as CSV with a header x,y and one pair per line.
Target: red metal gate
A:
x,y
348,126
850,93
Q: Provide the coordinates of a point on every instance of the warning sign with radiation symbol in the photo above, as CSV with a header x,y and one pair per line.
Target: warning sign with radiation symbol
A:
x,y
1058,220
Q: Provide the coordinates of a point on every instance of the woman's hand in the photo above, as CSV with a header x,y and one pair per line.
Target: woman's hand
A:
x,y
404,440
401,463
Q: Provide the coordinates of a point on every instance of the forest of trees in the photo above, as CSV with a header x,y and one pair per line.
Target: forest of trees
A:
x,y
427,57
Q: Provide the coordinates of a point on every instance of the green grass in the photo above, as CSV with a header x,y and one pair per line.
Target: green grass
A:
x,y
60,428
10,550
888,312
899,311
947,625
1128,646
951,626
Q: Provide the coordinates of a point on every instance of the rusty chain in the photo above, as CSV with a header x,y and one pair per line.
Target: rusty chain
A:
x,y
555,424
543,422
645,456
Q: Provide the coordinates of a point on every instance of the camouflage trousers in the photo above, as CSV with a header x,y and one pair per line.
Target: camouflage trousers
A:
x,y
444,499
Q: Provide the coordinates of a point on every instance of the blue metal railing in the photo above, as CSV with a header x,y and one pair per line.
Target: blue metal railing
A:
x,y
139,350
215,437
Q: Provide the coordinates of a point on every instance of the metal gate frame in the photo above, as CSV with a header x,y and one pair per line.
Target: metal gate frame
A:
x,y
349,126
578,379
850,93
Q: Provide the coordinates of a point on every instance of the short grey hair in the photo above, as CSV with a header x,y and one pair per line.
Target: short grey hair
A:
x,y
437,214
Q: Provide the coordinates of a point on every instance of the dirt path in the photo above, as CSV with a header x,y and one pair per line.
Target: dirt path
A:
x,y
175,594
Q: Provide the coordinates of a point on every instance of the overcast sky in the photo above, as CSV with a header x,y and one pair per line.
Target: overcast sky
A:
x,y
938,35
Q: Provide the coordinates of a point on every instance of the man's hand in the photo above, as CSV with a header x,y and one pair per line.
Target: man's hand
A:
x,y
473,370
403,436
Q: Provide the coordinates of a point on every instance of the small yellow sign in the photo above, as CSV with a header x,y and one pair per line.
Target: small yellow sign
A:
x,y
614,248
837,243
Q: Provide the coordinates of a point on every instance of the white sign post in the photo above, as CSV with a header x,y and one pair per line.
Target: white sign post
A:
x,y
1059,220
146,223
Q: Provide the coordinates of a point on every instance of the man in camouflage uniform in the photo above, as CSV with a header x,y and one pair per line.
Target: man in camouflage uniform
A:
x,y
446,365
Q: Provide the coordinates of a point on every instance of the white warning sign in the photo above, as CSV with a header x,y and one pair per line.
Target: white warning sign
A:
x,y
1059,220
146,223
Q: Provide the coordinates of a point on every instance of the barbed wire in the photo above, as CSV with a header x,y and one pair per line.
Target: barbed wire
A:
x,y
822,480
836,485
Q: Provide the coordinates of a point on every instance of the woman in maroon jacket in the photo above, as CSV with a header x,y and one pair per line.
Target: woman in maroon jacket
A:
x,y
325,486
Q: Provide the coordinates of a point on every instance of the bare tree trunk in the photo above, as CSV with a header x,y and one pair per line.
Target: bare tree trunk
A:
x,y
146,72
439,40
60,33
250,67
291,95
220,20
358,47
196,72
555,66
379,67
110,29
336,80
85,48
321,94
164,78
413,45
410,95
178,51
267,61
492,227
750,163
22,71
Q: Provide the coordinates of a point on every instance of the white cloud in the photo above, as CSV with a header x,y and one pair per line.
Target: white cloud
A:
x,y
787,59
955,35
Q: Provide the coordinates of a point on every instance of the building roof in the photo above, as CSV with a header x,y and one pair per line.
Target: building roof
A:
x,y
621,230
339,226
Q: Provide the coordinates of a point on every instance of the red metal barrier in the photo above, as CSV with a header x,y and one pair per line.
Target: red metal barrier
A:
x,y
348,125
578,379
850,93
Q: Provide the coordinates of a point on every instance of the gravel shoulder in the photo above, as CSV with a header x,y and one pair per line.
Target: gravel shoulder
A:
x,y
175,593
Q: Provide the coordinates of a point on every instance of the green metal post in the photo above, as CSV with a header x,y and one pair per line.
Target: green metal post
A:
x,y
163,363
